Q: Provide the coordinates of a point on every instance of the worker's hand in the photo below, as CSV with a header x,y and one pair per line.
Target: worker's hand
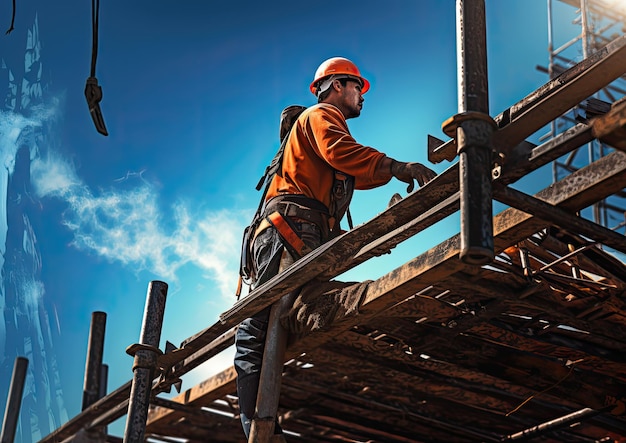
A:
x,y
407,172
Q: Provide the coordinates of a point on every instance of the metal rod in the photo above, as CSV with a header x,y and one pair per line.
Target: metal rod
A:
x,y
14,400
474,134
584,35
104,382
144,364
552,424
270,380
93,365
570,254
92,385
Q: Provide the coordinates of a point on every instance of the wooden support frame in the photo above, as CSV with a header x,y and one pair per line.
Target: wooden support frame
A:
x,y
551,100
577,191
598,180
574,192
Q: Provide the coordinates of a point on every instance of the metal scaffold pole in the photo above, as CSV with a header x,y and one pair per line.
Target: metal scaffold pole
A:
x,y
145,355
92,385
268,396
474,128
14,400
93,365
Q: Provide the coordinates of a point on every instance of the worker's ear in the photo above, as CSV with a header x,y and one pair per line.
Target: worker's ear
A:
x,y
337,85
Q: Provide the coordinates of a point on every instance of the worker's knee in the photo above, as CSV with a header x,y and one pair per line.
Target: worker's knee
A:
x,y
250,342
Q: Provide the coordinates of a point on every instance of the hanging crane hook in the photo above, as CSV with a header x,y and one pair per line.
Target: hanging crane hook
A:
x,y
93,91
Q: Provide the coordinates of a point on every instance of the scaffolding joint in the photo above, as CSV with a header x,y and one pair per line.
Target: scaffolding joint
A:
x,y
476,129
145,355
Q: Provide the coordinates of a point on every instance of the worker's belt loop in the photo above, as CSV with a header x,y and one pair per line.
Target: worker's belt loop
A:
x,y
292,240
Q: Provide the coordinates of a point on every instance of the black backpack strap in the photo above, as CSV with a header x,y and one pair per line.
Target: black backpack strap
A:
x,y
287,119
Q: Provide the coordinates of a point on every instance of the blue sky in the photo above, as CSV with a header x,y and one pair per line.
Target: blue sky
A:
x,y
193,91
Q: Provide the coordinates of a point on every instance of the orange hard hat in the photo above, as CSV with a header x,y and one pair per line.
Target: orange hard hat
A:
x,y
337,66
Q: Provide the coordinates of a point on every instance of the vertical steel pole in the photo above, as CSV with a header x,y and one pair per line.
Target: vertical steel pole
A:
x,y
144,364
93,365
93,371
14,400
474,134
584,23
104,382
270,381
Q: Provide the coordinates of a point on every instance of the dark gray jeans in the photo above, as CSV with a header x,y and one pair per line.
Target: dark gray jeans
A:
x,y
250,337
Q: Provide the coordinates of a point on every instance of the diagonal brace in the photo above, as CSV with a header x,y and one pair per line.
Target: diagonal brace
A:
x,y
559,217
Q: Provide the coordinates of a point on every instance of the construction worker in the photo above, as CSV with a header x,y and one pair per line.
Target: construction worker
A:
x,y
322,164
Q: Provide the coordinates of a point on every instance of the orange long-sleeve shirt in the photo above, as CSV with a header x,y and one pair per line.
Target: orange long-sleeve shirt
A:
x,y
319,144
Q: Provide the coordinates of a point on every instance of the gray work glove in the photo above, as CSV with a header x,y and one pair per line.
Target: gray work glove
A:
x,y
407,172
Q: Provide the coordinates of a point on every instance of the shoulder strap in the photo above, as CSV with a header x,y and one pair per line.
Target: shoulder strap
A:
x,y
288,117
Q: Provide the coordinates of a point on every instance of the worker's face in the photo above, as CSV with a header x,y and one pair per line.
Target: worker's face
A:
x,y
351,99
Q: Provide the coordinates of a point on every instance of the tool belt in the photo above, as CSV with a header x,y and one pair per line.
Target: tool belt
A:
x,y
302,207
283,211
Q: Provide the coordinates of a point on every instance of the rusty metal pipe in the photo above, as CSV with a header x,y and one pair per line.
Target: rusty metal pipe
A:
x,y
14,400
552,425
104,382
92,384
474,128
144,364
93,365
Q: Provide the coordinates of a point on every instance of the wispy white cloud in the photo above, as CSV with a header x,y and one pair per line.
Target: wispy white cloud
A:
x,y
128,226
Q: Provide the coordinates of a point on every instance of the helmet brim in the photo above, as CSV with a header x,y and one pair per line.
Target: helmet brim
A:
x,y
364,87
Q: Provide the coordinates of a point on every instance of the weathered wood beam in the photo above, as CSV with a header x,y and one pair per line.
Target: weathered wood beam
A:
x,y
454,370
402,409
203,394
611,127
561,94
527,157
179,362
591,359
80,421
551,100
569,387
461,370
577,191
556,216
501,298
559,247
185,410
390,240
411,386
